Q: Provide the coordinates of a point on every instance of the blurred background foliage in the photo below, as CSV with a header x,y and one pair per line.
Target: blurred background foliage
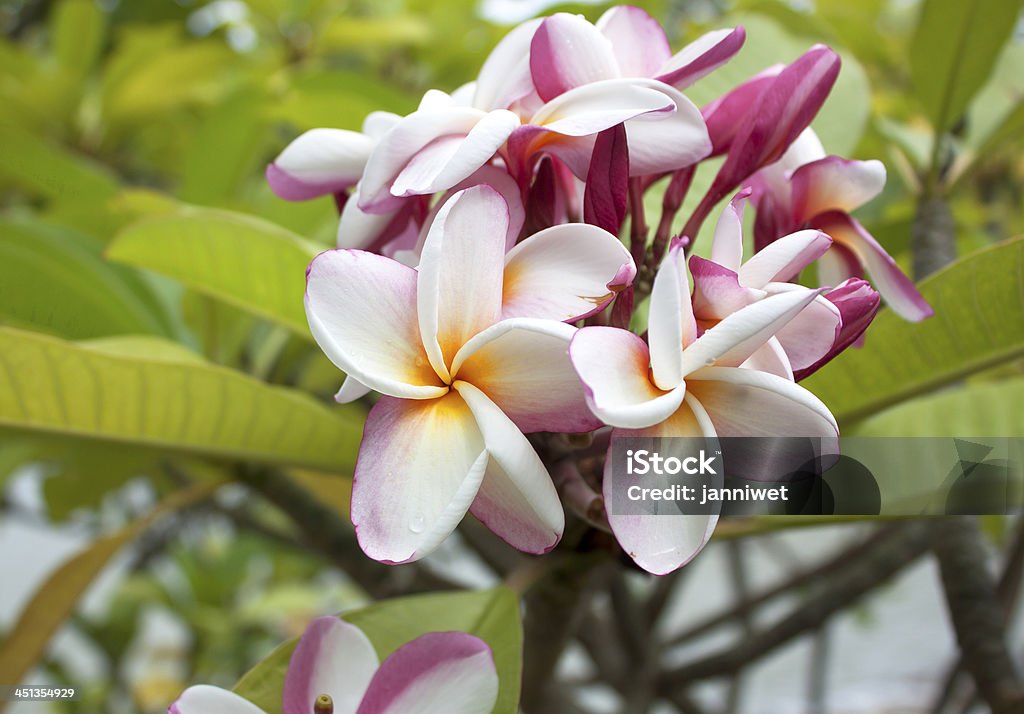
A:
x,y
139,244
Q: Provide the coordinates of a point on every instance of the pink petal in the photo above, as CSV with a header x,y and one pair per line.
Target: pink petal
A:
x,y
205,699
332,658
523,366
717,292
505,75
318,163
460,273
450,159
734,339
420,466
604,203
517,499
376,231
437,673
613,365
857,304
638,42
784,258
726,115
565,273
661,542
671,324
834,184
344,288
771,358
568,52
896,288
783,110
810,335
594,107
701,57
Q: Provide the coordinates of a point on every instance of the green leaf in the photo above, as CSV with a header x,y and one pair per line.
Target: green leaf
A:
x,y
55,600
953,51
77,31
491,615
53,279
247,262
42,169
977,324
988,409
155,398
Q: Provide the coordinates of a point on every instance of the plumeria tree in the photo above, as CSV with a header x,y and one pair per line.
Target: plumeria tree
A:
x,y
590,233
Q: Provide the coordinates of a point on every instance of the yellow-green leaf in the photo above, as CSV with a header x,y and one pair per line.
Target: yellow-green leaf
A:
x,y
155,398
247,262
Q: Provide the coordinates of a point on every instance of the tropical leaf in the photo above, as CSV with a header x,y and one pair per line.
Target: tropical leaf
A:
x,y
987,409
491,615
977,324
247,262
954,50
53,279
153,397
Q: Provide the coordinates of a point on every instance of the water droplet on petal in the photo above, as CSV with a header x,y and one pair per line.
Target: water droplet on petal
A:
x,y
417,523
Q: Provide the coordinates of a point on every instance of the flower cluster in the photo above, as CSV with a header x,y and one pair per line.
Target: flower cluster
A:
x,y
478,262
334,670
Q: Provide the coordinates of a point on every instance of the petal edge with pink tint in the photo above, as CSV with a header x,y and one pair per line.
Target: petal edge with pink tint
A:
x,y
517,499
437,673
565,273
614,365
206,699
334,658
343,287
568,52
419,468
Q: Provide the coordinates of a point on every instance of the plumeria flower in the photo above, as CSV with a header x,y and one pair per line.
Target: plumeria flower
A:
x,y
725,284
470,351
682,384
334,670
805,188
589,78
321,162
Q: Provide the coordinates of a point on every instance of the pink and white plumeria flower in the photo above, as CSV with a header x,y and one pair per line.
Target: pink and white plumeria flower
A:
x,y
679,384
807,189
725,284
334,670
321,162
470,351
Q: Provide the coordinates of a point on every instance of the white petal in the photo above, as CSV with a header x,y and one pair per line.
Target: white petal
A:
x,y
523,366
745,402
565,273
420,466
614,365
811,334
664,541
362,312
319,162
666,141
784,259
638,41
505,75
517,499
460,273
734,339
204,699
771,357
398,147
351,390
594,107
727,245
450,159
671,324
